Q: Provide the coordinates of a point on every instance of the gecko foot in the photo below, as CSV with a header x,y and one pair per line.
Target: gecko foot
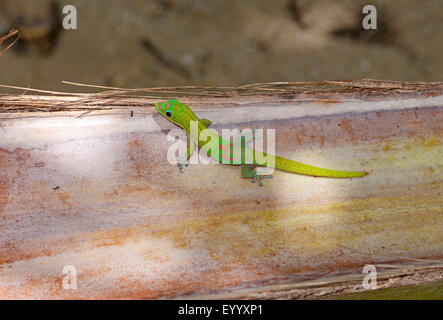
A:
x,y
259,179
181,166
248,171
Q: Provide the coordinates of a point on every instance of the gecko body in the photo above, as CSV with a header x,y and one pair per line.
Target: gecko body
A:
x,y
181,115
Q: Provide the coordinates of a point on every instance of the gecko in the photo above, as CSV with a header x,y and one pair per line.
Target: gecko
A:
x,y
181,115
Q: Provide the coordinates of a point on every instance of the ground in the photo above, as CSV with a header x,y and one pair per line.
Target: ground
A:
x,y
142,43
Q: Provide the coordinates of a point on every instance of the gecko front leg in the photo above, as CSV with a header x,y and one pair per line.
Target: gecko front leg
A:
x,y
183,162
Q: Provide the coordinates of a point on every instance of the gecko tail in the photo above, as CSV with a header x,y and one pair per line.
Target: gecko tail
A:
x,y
306,169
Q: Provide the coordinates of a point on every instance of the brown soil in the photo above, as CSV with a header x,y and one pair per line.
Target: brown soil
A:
x,y
142,43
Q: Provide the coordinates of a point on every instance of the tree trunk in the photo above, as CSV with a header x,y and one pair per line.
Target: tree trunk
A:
x,y
85,182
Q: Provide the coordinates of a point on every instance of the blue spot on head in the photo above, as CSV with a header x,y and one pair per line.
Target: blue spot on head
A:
x,y
173,102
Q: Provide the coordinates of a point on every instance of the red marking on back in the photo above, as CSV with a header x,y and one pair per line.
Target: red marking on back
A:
x,y
225,153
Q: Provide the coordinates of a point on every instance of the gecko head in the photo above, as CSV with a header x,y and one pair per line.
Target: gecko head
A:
x,y
176,112
170,109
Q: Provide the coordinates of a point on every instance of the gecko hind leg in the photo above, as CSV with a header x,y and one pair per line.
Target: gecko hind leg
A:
x,y
248,171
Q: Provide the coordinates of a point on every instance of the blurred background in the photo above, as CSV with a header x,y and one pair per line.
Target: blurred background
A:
x,y
145,43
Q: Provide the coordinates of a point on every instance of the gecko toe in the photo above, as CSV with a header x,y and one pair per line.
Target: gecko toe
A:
x,y
180,167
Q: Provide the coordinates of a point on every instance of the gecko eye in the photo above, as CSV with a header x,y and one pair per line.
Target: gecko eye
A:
x,y
168,113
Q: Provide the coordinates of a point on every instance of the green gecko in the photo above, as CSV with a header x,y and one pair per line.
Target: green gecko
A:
x,y
181,115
